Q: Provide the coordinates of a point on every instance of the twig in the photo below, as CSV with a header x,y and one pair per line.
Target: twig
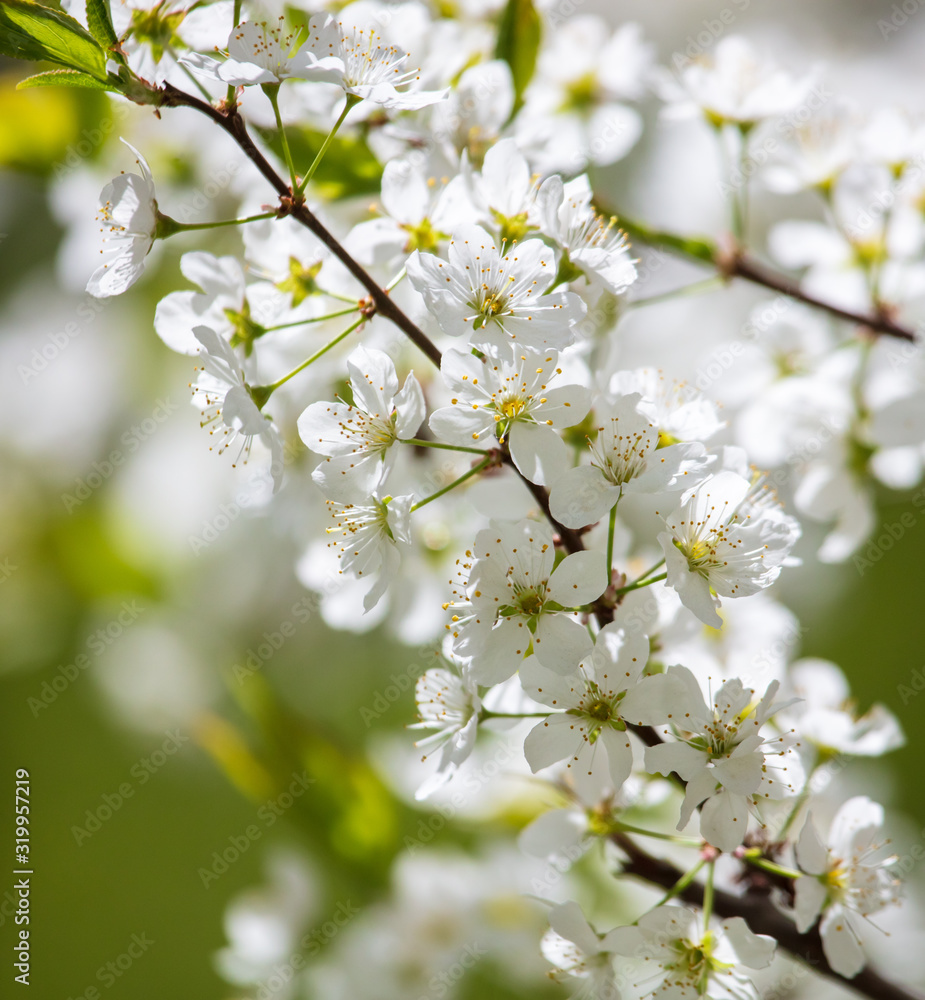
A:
x,y
762,918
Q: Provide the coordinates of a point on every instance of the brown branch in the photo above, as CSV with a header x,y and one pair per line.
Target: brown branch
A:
x,y
736,264
740,266
761,916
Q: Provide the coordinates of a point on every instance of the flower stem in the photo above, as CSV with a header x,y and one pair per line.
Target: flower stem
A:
x,y
229,93
639,584
487,713
312,319
683,882
189,227
673,837
692,289
446,489
273,386
770,866
610,529
708,896
418,442
651,570
272,92
352,102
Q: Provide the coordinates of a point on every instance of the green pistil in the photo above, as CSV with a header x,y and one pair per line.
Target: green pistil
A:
x,y
300,282
423,237
581,94
149,26
511,227
244,330
859,455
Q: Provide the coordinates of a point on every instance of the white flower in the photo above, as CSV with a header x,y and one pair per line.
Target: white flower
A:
x,y
722,755
625,458
222,305
421,211
451,705
129,217
361,62
496,294
578,951
696,961
827,717
262,53
595,703
681,412
590,243
728,535
513,597
358,439
504,192
732,84
476,111
575,110
369,537
843,882
226,400
507,399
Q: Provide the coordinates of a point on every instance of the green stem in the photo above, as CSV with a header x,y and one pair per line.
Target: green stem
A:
x,y
190,74
708,896
313,319
639,584
398,277
189,227
610,529
694,288
683,882
351,102
770,866
229,93
486,713
673,837
651,570
419,443
272,92
273,386
446,489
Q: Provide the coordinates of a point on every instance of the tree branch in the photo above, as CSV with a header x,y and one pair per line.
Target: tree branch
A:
x,y
762,918
738,265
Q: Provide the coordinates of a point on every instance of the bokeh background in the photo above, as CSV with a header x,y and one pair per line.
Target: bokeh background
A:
x,y
106,480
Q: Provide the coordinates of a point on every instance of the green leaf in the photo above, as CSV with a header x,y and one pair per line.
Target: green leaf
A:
x,y
100,22
30,31
65,78
519,34
348,167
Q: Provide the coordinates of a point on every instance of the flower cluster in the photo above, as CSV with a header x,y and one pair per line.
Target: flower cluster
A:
x,y
586,532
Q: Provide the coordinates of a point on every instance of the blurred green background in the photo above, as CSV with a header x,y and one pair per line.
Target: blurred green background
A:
x,y
67,573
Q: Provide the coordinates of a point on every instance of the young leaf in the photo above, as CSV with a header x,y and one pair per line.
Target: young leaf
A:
x,y
100,23
519,35
65,78
31,31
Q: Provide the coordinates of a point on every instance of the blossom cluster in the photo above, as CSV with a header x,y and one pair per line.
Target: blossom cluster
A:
x,y
593,541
